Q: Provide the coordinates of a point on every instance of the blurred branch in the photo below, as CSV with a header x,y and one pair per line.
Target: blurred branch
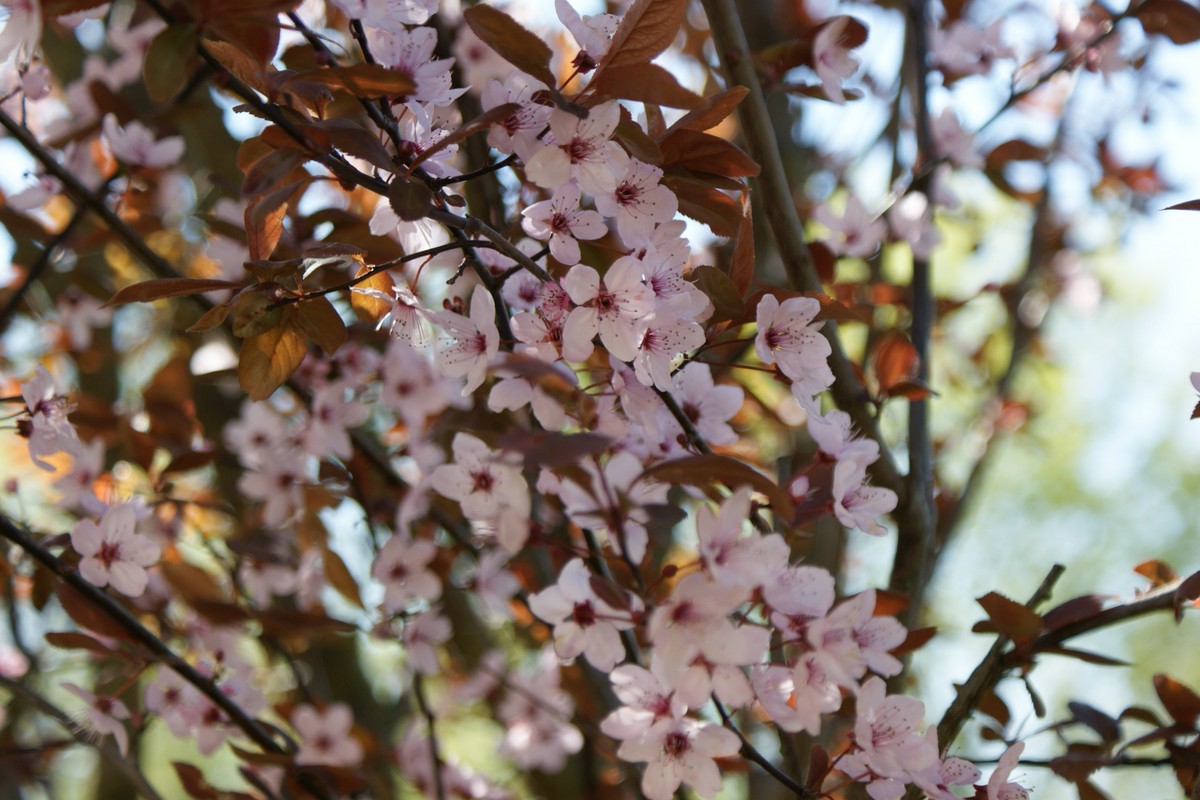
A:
x,y
439,788
988,673
140,634
916,545
34,273
84,736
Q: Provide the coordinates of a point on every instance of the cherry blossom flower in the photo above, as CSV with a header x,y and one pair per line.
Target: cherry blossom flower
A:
x,y
581,149
890,749
104,715
332,415
257,433
796,697
561,221
615,494
47,429
263,579
593,33
326,737
410,52
787,336
537,734
480,480
475,341
493,583
113,552
834,434
173,700
832,59
911,219
730,557
583,622
638,202
402,566
518,132
409,386
645,701
666,334
136,145
279,483
937,779
709,407
954,143
694,622
999,787
78,315
422,636
76,485
857,505
408,320
852,640
389,15
22,31
856,233
680,751
613,308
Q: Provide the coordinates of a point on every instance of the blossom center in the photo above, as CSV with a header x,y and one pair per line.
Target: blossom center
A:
x,y
583,614
676,744
110,553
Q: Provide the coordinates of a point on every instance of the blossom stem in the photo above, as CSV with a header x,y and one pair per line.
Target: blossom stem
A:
x,y
749,752
439,788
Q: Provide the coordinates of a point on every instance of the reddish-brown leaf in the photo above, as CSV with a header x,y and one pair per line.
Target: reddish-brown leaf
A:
x,y
703,152
1190,205
741,265
721,290
714,208
706,470
1108,728
339,577
644,83
631,136
512,41
191,583
1073,610
410,199
239,63
1180,702
647,28
917,638
270,358
1159,572
368,81
818,768
88,615
1186,594
73,640
264,221
1017,622
1175,19
1085,655
161,288
895,361
319,321
714,111
552,449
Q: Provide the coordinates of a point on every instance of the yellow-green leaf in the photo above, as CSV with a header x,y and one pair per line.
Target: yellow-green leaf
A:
x,y
270,358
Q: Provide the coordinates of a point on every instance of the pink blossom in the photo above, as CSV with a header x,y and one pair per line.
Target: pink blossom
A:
x,y
474,341
832,59
402,566
136,145
857,505
104,715
410,52
479,479
390,15
581,149
638,202
113,552
593,33
694,622
535,712
613,308
708,406
680,751
890,749
646,701
583,622
326,737
422,636
788,336
856,233
562,222
518,132
999,787
666,334
729,556
48,430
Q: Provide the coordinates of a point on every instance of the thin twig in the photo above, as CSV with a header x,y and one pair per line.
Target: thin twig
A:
x,y
987,673
750,753
34,273
439,788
